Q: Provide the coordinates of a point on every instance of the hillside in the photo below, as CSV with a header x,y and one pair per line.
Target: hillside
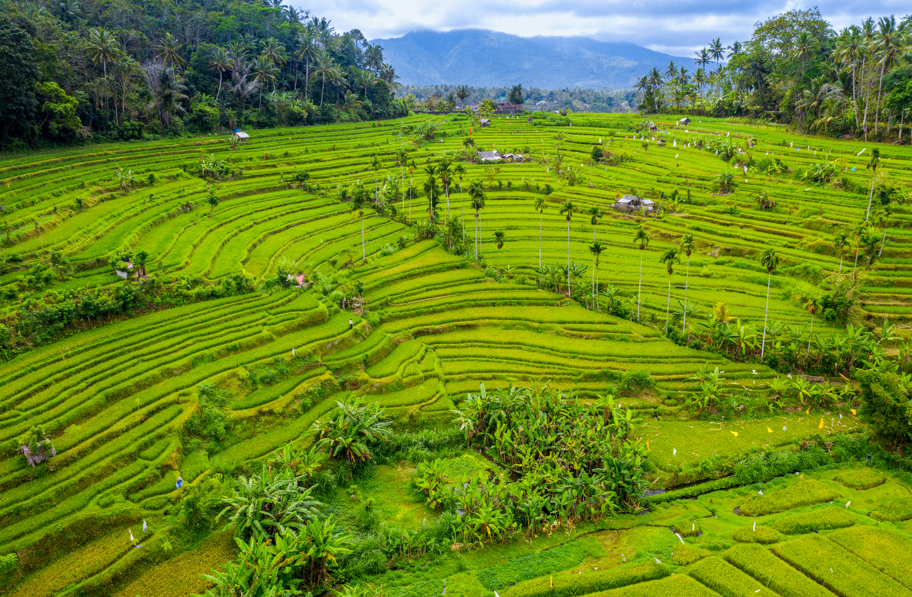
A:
x,y
489,58
206,368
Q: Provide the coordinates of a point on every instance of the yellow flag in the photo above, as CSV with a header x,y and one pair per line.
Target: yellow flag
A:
x,y
552,582
808,411
735,433
647,444
821,423
852,410
768,429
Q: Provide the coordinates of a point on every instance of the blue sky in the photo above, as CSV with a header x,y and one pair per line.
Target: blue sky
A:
x,y
677,27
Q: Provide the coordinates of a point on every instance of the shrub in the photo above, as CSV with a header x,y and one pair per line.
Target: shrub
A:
x,y
860,478
802,493
589,582
761,534
816,520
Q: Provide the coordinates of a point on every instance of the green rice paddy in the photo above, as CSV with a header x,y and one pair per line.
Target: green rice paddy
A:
x,y
116,398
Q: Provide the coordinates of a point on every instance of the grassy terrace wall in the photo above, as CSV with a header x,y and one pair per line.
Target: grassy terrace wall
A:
x,y
116,398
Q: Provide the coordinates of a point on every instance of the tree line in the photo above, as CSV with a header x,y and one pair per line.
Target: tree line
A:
x,y
797,69
78,70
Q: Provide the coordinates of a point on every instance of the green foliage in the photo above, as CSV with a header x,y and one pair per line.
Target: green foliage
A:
x,y
861,479
885,407
569,585
211,420
760,534
351,432
802,493
894,510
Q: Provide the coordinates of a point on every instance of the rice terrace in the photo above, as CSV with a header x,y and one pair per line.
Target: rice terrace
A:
x,y
429,350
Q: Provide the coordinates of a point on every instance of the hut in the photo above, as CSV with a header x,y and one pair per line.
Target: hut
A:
x,y
485,122
124,270
40,454
651,125
240,136
489,156
633,203
684,121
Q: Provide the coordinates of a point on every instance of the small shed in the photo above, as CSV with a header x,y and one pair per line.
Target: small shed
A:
x,y
41,454
684,121
633,203
489,156
124,269
485,122
652,126
240,136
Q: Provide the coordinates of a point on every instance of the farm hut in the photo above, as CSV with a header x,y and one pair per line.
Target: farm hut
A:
x,y
529,120
240,136
40,455
485,122
124,269
652,126
508,108
518,158
684,121
297,280
633,203
489,156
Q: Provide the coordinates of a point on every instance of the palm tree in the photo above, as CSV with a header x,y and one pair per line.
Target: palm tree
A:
x,y
849,48
669,258
596,249
376,165
770,261
672,71
841,243
499,238
429,187
812,306
889,47
326,68
308,52
263,72
102,45
220,61
867,32
717,51
274,52
462,92
443,170
641,237
359,201
567,209
540,204
459,170
872,166
687,247
169,51
477,195
804,47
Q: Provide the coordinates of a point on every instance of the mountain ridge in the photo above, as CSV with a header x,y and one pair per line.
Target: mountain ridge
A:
x,y
480,57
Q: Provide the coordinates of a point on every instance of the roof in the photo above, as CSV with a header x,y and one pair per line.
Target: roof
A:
x,y
647,202
628,199
493,156
241,135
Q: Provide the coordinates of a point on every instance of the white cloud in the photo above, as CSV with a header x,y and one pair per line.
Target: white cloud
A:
x,y
675,27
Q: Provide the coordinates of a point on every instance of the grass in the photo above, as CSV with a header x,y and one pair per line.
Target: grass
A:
x,y
802,493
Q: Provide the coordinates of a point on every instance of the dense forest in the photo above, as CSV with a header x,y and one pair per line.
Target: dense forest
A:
x,y
797,69
447,97
80,70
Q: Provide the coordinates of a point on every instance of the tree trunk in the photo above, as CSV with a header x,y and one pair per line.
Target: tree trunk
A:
x,y
809,337
668,304
883,240
640,286
864,121
476,235
569,289
541,217
855,267
879,89
854,99
769,278
840,261
686,282
219,92
363,254
871,196
307,78
322,91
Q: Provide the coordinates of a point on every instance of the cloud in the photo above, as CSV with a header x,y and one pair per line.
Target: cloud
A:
x,y
678,27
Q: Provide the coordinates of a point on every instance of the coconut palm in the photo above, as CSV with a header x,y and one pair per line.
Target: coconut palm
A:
x,y
804,47
812,306
849,49
220,61
102,45
459,170
841,243
567,209
770,261
686,247
717,51
308,52
445,174
888,46
477,195
596,249
327,70
867,32
462,92
376,165
872,166
264,72
430,187
274,52
359,202
669,258
169,51
499,239
540,204
641,238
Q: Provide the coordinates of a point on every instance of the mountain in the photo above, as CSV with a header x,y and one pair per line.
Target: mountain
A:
x,y
482,58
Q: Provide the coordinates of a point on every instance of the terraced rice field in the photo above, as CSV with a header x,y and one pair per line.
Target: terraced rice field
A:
x,y
115,398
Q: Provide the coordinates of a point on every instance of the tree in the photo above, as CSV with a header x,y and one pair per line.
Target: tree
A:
x,y
841,243
460,171
770,261
359,201
124,178
169,51
873,164
220,61
432,191
477,196
885,406
102,46
19,74
499,239
567,209
596,249
540,204
687,247
462,92
669,258
327,70
376,165
889,47
516,95
352,430
264,73
641,238
212,199
812,306
308,52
